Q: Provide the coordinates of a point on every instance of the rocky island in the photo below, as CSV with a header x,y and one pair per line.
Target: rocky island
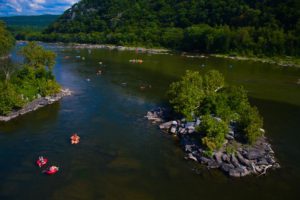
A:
x,y
221,130
27,85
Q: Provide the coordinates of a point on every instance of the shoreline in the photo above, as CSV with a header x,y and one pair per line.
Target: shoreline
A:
x,y
36,104
234,158
108,46
285,61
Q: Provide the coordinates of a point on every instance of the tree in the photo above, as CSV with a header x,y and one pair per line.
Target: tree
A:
x,y
9,99
250,124
186,95
7,68
37,57
214,130
213,81
7,41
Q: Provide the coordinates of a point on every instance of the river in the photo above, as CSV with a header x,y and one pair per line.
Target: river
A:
x,y
123,156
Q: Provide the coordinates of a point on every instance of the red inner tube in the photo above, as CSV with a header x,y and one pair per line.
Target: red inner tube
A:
x,y
40,164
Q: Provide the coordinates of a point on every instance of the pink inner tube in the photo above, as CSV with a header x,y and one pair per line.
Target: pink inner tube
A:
x,y
40,164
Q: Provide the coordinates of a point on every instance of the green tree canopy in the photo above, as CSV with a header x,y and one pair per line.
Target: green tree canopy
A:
x,y
37,57
187,94
7,41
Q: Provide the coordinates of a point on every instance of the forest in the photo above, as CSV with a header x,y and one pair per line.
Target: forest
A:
x,y
256,27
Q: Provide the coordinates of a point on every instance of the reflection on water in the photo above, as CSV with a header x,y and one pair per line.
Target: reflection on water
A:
x,y
123,156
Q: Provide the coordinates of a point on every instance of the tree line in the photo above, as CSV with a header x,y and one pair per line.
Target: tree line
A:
x,y
256,27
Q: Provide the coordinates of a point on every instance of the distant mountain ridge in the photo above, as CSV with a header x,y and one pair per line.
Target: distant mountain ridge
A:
x,y
248,27
36,21
99,15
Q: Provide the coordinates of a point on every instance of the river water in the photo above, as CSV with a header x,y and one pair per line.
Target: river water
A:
x,y
123,156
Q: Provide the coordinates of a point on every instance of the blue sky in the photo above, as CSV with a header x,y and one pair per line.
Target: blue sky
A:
x,y
34,7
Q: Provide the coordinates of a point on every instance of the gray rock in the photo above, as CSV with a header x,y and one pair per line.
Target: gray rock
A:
x,y
188,148
183,131
204,160
212,164
254,154
243,160
245,172
36,104
190,124
234,173
218,156
166,125
229,137
234,161
263,161
192,157
226,167
198,121
173,129
226,158
191,130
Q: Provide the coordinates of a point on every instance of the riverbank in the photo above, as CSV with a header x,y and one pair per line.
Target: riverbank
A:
x,y
234,158
110,47
281,61
36,104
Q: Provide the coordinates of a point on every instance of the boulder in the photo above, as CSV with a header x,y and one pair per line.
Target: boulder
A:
x,y
243,160
198,122
212,164
226,167
263,161
245,172
234,161
204,160
173,129
183,131
192,157
218,157
190,124
254,154
191,130
226,158
234,173
229,137
188,148
166,125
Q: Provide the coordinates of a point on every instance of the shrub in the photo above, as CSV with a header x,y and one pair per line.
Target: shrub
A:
x,y
214,130
9,99
250,123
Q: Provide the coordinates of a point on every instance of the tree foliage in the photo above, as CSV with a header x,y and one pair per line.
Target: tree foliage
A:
x,y
7,41
29,81
215,131
236,26
37,57
209,98
186,95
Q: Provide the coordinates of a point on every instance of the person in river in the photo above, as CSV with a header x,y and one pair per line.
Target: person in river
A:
x,y
75,139
41,159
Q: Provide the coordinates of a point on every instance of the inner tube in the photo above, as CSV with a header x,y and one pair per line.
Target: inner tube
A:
x,y
42,163
52,170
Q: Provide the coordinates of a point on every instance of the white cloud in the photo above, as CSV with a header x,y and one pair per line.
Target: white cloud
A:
x,y
34,7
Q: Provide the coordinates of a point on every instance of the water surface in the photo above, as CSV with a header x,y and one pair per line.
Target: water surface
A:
x,y
123,156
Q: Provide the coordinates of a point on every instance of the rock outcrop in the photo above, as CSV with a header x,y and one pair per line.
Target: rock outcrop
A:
x,y
243,160
36,104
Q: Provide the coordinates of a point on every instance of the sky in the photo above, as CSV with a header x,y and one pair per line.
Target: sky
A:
x,y
34,7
